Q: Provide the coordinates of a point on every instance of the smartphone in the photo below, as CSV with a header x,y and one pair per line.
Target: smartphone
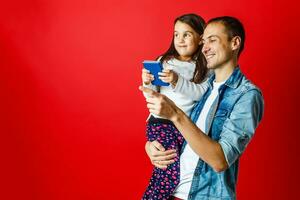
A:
x,y
154,67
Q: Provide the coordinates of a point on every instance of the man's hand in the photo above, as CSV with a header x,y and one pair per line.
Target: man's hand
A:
x,y
159,157
161,105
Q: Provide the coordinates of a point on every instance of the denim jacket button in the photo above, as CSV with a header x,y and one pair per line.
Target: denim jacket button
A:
x,y
197,173
190,196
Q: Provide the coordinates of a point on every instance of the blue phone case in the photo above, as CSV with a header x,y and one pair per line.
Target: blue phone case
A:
x,y
154,67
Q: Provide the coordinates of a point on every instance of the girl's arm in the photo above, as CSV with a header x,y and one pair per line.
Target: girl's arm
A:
x,y
181,85
190,89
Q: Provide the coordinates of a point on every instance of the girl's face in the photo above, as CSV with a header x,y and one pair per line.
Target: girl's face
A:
x,y
186,40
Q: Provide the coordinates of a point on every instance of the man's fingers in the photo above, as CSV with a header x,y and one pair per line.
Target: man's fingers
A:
x,y
151,100
160,157
148,91
158,145
164,162
159,166
163,154
151,106
153,111
163,158
170,157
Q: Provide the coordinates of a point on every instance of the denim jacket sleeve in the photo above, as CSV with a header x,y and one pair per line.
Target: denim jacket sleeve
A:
x,y
239,127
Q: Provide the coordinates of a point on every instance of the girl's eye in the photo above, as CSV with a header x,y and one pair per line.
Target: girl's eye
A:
x,y
186,35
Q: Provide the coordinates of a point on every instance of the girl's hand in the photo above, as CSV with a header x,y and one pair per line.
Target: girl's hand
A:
x,y
147,77
168,76
158,156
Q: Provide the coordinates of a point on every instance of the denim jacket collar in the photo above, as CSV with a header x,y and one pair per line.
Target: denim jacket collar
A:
x,y
233,81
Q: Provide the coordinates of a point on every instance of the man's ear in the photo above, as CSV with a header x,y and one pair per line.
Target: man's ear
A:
x,y
235,43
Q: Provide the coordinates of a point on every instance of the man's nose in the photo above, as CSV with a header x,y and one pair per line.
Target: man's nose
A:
x,y
205,48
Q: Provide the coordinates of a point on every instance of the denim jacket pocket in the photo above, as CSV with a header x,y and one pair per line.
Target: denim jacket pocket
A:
x,y
219,119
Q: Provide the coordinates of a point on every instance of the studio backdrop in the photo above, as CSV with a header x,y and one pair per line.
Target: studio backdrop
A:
x,y
73,120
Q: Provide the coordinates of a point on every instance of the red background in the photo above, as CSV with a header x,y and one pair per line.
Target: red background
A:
x,y
72,118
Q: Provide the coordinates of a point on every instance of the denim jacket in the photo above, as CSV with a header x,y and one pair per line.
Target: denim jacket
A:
x,y
231,121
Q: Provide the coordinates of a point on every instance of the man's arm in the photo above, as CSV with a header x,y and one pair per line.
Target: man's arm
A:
x,y
237,131
209,150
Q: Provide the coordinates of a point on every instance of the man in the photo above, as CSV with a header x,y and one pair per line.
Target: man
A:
x,y
222,122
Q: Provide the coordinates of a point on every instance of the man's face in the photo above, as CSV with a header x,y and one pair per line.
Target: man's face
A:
x,y
216,46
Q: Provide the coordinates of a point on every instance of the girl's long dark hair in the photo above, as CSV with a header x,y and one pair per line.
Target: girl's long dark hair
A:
x,y
198,24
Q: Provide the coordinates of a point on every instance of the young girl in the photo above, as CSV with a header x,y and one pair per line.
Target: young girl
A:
x,y
184,70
